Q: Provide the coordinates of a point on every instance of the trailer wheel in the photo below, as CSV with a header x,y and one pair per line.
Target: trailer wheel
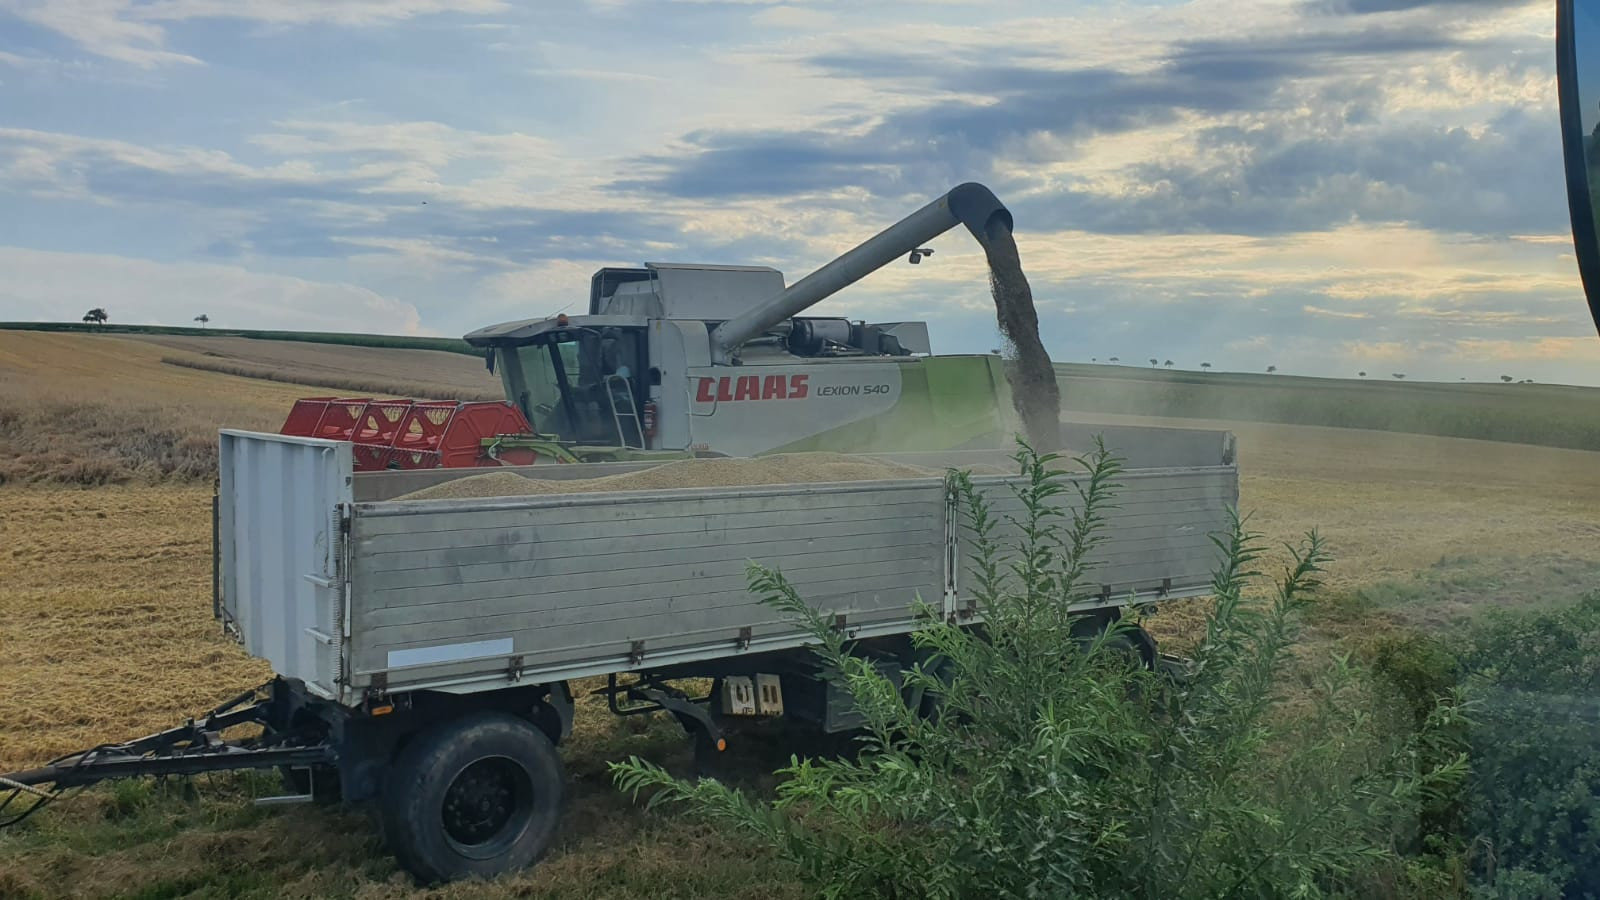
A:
x,y
477,796
1140,645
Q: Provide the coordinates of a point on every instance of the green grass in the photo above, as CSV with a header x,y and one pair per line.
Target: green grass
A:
x,y
205,838
397,341
1457,590
1549,415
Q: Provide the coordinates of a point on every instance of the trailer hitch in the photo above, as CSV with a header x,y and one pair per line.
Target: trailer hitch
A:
x,y
192,748
647,696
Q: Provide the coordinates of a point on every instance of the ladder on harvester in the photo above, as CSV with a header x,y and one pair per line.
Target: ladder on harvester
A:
x,y
618,415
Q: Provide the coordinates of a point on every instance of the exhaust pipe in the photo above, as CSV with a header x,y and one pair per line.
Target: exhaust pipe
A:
x,y
970,204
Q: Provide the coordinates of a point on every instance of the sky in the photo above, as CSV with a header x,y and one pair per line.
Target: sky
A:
x,y
1323,186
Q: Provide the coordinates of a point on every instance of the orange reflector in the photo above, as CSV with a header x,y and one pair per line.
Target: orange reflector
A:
x,y
721,745
382,710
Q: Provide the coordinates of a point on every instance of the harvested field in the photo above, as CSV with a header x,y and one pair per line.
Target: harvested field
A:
x,y
781,468
106,617
1394,508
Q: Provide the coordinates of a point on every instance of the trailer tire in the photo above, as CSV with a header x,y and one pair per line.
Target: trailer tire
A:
x,y
1138,644
475,797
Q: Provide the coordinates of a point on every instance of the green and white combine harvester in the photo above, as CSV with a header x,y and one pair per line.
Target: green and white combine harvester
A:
x,y
677,360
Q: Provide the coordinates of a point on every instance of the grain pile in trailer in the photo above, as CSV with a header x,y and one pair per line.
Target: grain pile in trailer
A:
x,y
783,468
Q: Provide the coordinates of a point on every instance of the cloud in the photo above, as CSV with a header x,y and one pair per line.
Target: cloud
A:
x,y
53,286
307,12
1368,7
1290,176
427,198
1333,313
985,112
544,288
793,17
106,170
132,32
101,27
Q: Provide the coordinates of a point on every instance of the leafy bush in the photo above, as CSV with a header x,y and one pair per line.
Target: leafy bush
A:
x,y
1533,799
1056,766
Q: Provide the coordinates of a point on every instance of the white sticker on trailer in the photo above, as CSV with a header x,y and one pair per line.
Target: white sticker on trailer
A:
x,y
443,653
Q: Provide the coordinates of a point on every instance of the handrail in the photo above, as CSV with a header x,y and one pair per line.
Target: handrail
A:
x,y
616,415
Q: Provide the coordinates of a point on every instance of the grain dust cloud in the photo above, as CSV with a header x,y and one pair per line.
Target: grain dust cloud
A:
x,y
1034,392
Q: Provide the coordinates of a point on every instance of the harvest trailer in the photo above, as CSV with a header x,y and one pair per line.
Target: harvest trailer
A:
x,y
425,649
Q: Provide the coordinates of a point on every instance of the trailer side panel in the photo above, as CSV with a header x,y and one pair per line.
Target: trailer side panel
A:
x,y
281,550
1156,531
452,592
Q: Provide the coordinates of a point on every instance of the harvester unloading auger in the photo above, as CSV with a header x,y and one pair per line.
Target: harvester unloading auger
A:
x,y
674,360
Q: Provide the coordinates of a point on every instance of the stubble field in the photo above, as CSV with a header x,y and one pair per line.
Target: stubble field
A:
x,y
106,631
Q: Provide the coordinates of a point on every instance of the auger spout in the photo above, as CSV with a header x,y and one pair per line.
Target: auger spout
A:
x,y
970,204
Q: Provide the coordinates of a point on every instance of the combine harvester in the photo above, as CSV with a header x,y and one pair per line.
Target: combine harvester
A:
x,y
679,360
425,649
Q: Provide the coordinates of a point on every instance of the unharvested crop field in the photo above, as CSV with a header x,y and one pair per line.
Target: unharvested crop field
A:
x,y
426,374
98,409
353,339
106,631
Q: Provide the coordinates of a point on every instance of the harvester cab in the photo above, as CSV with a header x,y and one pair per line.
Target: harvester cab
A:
x,y
577,383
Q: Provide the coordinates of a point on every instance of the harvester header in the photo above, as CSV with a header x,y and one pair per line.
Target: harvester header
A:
x,y
411,434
